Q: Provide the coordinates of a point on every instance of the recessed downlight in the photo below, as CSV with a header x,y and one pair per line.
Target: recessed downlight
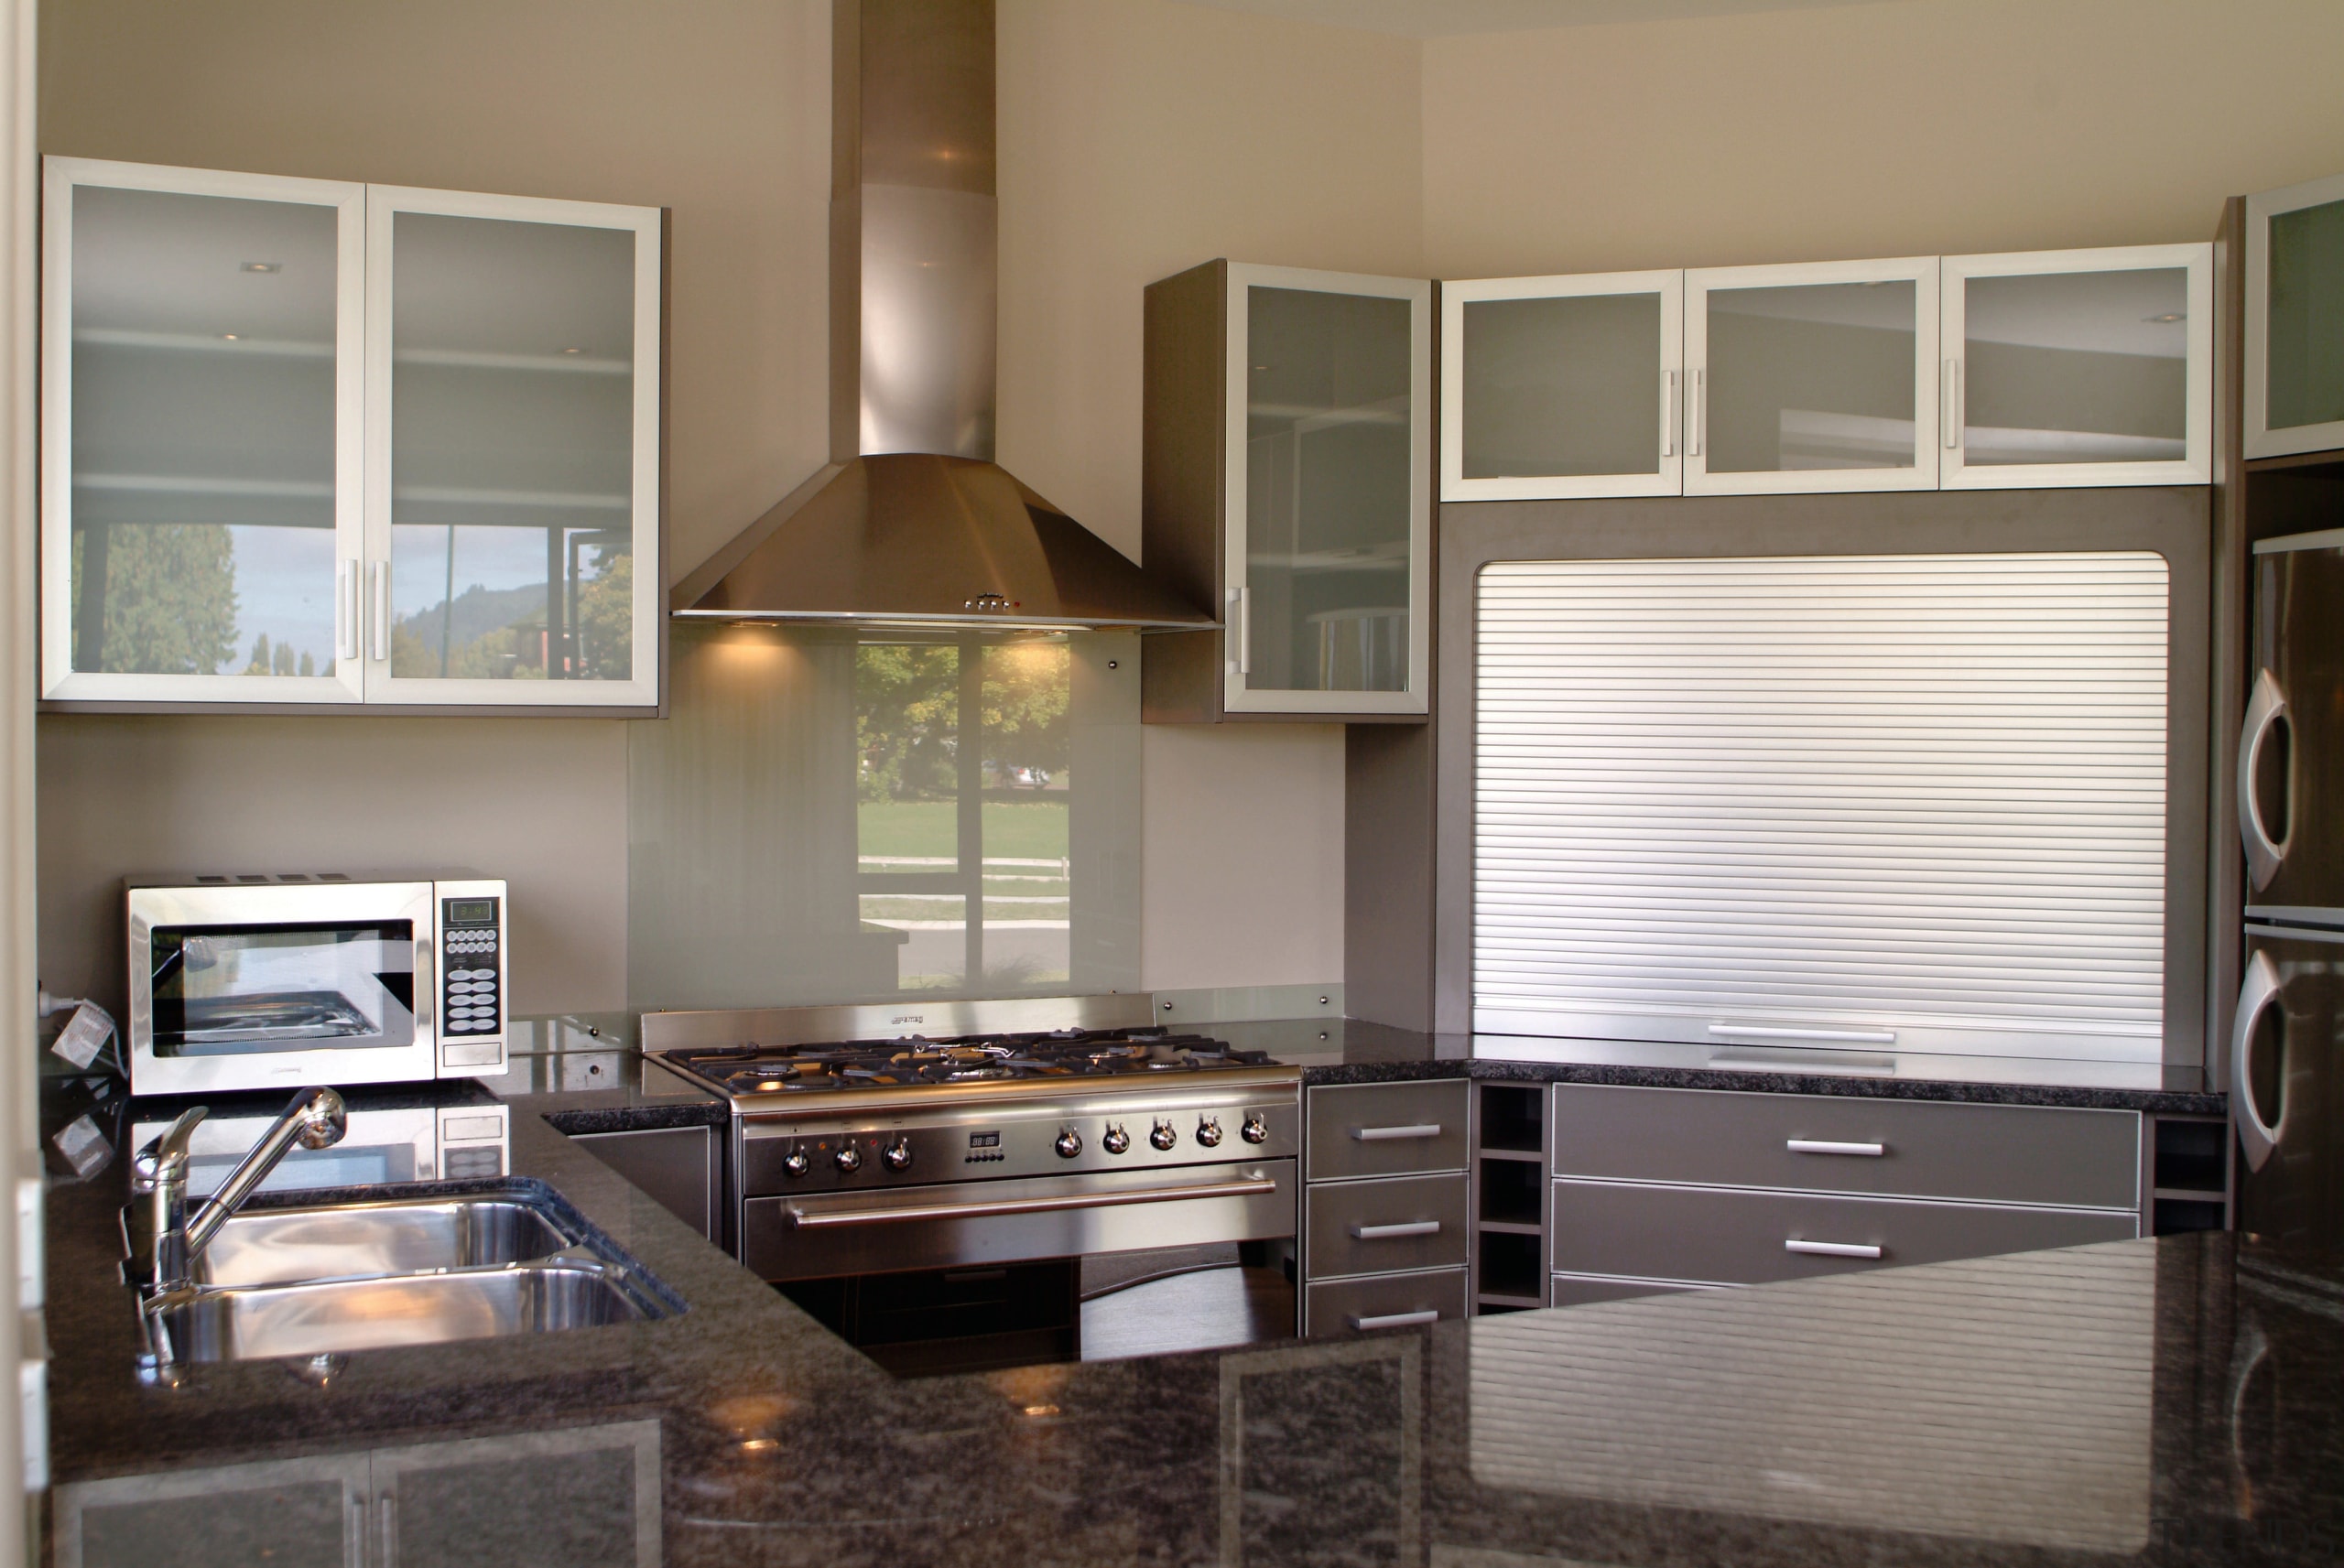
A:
x,y
227,337
263,266
2168,317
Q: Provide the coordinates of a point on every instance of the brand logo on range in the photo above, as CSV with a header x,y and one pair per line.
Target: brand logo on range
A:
x,y
910,1018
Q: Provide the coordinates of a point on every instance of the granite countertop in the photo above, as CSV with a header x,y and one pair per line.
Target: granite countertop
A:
x,y
2176,1401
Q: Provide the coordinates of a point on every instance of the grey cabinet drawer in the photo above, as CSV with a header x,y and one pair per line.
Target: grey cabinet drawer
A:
x,y
1577,1290
1387,1130
1378,1227
1738,1238
1351,1306
1985,1153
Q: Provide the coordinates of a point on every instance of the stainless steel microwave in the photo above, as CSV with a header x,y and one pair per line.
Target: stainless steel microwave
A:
x,y
251,982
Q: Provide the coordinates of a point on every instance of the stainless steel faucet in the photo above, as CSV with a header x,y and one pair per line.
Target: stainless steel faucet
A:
x,y
315,1120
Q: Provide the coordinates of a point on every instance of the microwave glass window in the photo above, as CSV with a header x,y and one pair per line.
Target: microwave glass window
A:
x,y
247,989
306,1170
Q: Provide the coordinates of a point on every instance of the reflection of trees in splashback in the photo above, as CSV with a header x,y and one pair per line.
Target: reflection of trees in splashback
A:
x,y
500,633
169,597
907,718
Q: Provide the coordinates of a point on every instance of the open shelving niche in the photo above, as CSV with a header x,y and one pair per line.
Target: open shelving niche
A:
x,y
1510,1192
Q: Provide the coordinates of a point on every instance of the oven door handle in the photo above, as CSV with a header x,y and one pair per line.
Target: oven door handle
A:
x,y
1250,1187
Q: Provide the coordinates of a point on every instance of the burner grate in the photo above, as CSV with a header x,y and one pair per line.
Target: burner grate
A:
x,y
913,1061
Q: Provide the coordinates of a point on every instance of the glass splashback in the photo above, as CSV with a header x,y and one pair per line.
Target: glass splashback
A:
x,y
827,816
202,435
512,476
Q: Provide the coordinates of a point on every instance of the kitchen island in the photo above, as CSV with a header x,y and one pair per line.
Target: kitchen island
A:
x,y
2178,1401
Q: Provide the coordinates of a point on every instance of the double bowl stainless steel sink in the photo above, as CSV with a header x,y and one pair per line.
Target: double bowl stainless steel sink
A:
x,y
324,1278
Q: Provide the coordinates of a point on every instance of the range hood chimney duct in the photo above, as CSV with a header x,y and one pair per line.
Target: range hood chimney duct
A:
x,y
911,522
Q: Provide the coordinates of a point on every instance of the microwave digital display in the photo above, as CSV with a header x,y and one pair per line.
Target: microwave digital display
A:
x,y
471,912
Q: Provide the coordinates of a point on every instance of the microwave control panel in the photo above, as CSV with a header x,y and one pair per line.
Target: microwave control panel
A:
x,y
472,977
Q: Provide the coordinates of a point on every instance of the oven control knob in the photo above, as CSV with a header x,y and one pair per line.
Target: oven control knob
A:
x,y
1255,1130
1117,1139
1209,1131
1069,1144
795,1163
897,1156
1162,1137
849,1159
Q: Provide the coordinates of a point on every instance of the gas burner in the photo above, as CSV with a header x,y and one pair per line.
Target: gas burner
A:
x,y
913,1061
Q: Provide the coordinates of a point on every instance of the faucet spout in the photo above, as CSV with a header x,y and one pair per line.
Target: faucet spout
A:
x,y
315,1120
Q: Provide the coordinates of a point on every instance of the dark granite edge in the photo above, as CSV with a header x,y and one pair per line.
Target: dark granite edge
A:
x,y
2158,1102
572,1120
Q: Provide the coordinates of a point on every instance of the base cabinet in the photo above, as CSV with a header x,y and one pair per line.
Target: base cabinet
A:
x,y
1670,1189
576,1498
1386,1210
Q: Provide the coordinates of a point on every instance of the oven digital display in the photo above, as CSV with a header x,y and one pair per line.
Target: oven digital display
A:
x,y
984,1139
471,912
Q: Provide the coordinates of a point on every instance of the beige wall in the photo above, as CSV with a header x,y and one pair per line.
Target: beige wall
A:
x,y
1928,127
1138,138
537,805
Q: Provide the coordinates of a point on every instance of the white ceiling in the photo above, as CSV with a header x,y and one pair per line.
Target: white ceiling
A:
x,y
1447,18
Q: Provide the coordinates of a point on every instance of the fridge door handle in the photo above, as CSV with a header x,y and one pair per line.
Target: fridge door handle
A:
x,y
2264,709
2255,1136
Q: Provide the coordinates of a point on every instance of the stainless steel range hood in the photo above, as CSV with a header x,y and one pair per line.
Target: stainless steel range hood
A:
x,y
911,522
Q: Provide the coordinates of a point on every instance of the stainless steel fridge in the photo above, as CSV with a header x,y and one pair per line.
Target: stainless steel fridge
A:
x,y
2286,1055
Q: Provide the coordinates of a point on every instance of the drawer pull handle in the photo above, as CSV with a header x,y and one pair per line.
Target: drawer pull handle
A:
x,y
1387,1232
1385,1134
1394,1320
1831,1249
1824,1146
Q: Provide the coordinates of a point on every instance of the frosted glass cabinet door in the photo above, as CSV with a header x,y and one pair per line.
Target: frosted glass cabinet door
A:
x,y
200,436
2295,319
1811,377
1330,492
512,451
1562,387
2077,367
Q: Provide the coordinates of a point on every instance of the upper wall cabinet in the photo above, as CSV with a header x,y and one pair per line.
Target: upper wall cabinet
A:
x,y
1818,376
2051,368
2295,319
1562,385
323,444
1287,480
2077,367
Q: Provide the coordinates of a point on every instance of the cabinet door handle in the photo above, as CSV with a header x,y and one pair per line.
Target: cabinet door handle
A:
x,y
1394,1320
353,1529
1831,1249
387,1523
1389,1232
379,631
1671,403
1832,1036
1700,412
1949,405
1385,1134
1241,610
345,610
1824,1146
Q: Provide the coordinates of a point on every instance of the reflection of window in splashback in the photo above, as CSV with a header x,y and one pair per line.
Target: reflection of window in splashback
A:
x,y
827,816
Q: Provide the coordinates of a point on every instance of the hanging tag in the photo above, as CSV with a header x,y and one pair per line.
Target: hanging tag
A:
x,y
81,1038
84,1146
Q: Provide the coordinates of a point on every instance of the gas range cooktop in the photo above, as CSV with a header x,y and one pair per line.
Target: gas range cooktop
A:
x,y
758,1071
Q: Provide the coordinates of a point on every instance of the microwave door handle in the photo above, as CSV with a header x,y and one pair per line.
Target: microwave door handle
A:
x,y
2264,709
